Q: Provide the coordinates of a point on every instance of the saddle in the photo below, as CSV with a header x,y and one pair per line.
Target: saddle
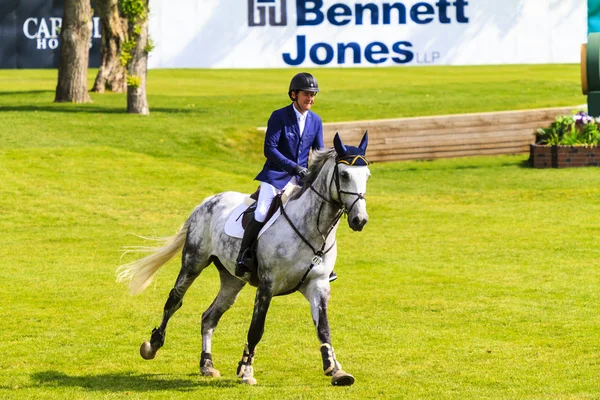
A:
x,y
248,215
251,200
241,213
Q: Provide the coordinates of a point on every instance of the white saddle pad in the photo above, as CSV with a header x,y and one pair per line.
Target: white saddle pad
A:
x,y
233,225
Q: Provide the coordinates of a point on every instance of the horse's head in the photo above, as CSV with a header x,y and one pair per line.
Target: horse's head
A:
x,y
350,176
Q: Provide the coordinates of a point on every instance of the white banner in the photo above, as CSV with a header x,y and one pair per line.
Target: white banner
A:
x,y
363,33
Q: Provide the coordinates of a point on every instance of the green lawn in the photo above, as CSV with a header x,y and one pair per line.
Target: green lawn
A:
x,y
474,278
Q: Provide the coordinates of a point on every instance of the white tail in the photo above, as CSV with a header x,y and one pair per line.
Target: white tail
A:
x,y
140,273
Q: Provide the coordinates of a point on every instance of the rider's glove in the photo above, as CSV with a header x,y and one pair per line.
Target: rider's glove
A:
x,y
300,171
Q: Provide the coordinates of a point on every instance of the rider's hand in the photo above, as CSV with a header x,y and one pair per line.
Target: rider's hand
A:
x,y
301,171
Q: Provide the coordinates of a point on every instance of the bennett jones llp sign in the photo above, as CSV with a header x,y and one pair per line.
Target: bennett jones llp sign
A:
x,y
364,33
312,13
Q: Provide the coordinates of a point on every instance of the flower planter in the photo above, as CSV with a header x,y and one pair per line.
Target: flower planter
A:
x,y
543,156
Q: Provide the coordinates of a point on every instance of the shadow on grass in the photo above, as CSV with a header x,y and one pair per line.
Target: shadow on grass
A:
x,y
65,108
525,164
90,109
432,167
128,382
518,163
22,92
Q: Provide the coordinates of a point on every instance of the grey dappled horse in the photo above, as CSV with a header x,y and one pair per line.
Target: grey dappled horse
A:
x,y
297,252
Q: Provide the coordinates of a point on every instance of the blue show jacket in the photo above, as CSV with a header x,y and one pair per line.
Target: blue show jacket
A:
x,y
284,148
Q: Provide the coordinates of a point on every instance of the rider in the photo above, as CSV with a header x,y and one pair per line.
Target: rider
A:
x,y
291,132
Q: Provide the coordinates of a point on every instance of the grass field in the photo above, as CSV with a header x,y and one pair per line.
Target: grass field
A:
x,y
474,278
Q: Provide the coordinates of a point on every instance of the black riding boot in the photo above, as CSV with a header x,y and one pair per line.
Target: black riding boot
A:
x,y
333,276
243,263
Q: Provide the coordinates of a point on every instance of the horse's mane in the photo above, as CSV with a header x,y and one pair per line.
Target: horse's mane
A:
x,y
317,161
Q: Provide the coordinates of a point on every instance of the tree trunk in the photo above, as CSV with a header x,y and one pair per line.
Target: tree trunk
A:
x,y
111,74
75,36
137,69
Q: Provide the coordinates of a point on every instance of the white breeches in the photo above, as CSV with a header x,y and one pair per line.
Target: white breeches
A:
x,y
265,198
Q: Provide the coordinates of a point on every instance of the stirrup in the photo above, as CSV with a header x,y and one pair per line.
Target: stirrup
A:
x,y
241,269
241,264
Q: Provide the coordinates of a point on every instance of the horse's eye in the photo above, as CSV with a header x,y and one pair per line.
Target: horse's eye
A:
x,y
345,175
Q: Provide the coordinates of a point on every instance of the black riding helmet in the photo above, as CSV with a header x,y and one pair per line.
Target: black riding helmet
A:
x,y
303,81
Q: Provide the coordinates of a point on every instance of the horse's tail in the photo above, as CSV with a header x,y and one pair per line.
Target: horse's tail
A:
x,y
140,273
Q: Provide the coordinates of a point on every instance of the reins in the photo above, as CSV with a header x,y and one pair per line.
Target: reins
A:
x,y
318,254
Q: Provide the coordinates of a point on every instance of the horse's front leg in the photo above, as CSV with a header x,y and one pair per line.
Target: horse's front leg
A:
x,y
317,294
264,294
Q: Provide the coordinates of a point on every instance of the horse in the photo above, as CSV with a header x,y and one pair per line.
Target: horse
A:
x,y
296,253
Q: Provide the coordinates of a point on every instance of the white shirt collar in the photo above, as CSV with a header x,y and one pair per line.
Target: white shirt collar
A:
x,y
299,115
301,119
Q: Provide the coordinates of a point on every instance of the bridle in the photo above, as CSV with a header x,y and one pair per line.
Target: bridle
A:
x,y
342,209
335,178
352,160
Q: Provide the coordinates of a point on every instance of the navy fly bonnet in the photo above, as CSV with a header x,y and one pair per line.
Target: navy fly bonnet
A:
x,y
349,154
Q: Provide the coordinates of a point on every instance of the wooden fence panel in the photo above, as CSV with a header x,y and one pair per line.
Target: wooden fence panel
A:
x,y
461,135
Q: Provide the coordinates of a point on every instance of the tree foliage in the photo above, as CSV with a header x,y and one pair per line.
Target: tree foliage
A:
x,y
135,54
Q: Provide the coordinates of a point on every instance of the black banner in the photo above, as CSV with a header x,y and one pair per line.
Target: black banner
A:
x,y
30,34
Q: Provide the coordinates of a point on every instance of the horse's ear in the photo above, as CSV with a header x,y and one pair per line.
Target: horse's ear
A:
x,y
364,142
339,146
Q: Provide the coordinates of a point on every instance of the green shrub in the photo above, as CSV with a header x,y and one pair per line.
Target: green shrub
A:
x,y
580,129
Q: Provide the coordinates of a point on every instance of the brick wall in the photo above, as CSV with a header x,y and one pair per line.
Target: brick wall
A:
x,y
564,156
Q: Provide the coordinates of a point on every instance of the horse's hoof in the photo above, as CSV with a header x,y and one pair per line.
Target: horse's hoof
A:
x,y
341,378
210,371
249,381
146,351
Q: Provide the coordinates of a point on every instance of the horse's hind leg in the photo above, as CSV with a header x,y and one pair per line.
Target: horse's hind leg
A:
x,y
230,288
317,294
192,264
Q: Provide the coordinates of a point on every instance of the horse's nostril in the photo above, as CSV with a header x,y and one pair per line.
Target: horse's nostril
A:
x,y
356,221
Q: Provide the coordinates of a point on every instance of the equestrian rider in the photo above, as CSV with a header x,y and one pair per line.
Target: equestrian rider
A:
x,y
291,132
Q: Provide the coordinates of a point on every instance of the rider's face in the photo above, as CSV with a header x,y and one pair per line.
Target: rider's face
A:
x,y
305,100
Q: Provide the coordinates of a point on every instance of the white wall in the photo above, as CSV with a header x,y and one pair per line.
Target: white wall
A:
x,y
216,33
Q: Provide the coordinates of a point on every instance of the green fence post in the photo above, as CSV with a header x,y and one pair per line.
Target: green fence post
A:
x,y
590,73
